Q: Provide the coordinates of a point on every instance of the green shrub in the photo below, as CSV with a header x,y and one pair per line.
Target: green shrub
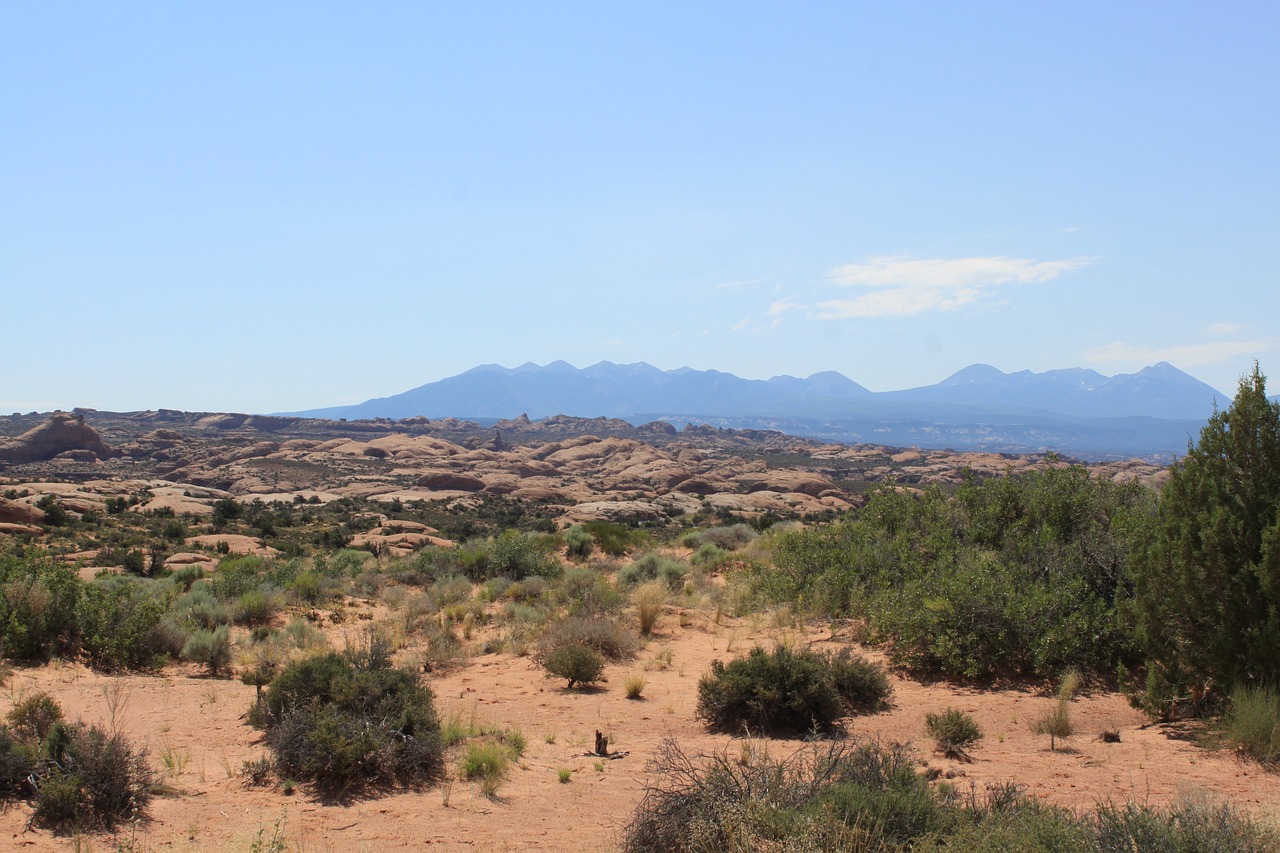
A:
x,y
953,732
38,601
615,539
785,691
120,626
33,717
255,607
653,566
348,728
211,648
578,543
577,664
17,764
605,636
1253,723
846,795
1057,722
91,778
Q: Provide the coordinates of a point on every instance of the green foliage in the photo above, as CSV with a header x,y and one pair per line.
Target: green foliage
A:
x,y
615,539
653,566
85,776
348,727
787,691
605,636
953,731
578,543
1252,723
120,626
1057,722
211,648
1207,574
33,717
845,795
489,761
54,513
575,663
1011,576
38,601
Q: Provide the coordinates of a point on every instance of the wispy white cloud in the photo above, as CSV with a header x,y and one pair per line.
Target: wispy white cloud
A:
x,y
782,306
903,286
1186,355
733,285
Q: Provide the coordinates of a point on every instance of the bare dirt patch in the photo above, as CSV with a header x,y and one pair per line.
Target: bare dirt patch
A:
x,y
194,728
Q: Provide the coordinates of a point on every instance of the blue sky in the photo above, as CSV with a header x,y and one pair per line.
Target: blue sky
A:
x,y
275,206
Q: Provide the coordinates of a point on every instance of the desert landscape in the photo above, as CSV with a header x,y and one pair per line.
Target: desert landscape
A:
x,y
366,511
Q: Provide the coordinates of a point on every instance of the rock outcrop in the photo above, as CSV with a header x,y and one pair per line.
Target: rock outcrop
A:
x,y
63,432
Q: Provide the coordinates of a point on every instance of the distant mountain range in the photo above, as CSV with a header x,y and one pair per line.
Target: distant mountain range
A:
x,y
1074,411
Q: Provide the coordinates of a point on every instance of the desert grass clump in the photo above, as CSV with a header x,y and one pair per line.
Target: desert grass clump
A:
x,y
787,691
1252,723
489,761
574,663
1056,722
649,599
953,731
633,685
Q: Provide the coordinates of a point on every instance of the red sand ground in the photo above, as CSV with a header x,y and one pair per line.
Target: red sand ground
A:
x,y
198,722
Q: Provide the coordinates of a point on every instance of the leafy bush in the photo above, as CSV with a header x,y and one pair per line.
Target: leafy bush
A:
x,y
578,543
33,717
653,566
607,637
953,732
90,777
577,664
120,626
785,691
38,601
346,727
615,539
1253,723
211,648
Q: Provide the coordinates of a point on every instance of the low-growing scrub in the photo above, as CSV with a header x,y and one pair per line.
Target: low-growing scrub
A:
x,y
575,663
788,691
1252,723
349,725
953,731
79,776
850,795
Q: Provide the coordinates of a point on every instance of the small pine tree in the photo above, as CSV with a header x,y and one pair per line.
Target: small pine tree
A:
x,y
1207,572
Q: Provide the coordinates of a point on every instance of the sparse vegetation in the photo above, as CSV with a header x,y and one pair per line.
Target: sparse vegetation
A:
x,y
953,731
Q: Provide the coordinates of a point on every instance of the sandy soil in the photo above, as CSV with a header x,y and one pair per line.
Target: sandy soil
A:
x,y
197,722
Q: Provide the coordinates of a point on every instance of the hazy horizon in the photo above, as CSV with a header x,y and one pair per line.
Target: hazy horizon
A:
x,y
251,208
